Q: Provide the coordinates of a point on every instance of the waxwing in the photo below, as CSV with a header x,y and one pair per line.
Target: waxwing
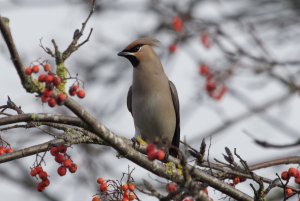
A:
x,y
152,98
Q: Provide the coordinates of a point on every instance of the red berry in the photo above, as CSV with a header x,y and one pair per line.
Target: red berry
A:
x,y
59,158
9,150
56,81
35,69
172,48
40,187
126,194
44,99
80,93
47,92
204,70
210,85
103,187
124,187
289,192
49,78
100,180
96,198
171,187
33,172
2,151
285,175
293,172
67,163
177,24
62,171
152,155
43,175
28,71
73,168
61,98
42,78
45,182
72,93
160,155
54,151
131,187
47,67
62,149
150,147
205,40
125,199
52,102
74,87
297,180
131,197
236,180
39,169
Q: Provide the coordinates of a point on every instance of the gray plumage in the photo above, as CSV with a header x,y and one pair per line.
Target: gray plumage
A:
x,y
152,99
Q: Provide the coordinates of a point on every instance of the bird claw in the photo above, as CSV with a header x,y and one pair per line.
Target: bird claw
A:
x,y
138,141
134,142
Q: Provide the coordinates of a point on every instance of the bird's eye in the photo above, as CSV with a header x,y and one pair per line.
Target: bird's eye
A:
x,y
136,48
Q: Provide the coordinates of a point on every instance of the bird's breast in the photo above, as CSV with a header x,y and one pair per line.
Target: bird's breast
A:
x,y
154,115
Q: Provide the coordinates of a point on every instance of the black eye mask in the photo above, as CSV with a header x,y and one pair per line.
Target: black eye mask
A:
x,y
133,60
135,48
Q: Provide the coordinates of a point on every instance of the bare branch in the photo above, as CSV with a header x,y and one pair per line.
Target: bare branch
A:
x,y
5,30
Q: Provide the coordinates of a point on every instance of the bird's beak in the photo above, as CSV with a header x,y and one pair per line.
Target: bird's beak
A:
x,y
124,54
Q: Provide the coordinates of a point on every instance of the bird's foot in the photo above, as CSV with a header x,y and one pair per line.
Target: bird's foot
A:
x,y
138,141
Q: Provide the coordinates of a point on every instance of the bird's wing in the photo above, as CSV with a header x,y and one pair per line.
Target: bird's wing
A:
x,y
176,137
129,100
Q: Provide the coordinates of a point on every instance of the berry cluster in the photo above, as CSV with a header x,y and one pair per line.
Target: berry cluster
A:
x,y
33,69
74,90
5,150
39,173
154,153
52,82
213,86
61,157
286,175
292,172
128,190
102,185
118,191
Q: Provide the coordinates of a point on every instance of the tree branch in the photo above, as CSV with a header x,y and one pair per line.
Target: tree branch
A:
x,y
120,145
5,30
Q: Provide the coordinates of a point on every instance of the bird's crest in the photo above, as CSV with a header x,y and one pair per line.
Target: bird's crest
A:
x,y
143,41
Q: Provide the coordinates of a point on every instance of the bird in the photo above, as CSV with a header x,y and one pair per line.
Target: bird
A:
x,y
152,98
